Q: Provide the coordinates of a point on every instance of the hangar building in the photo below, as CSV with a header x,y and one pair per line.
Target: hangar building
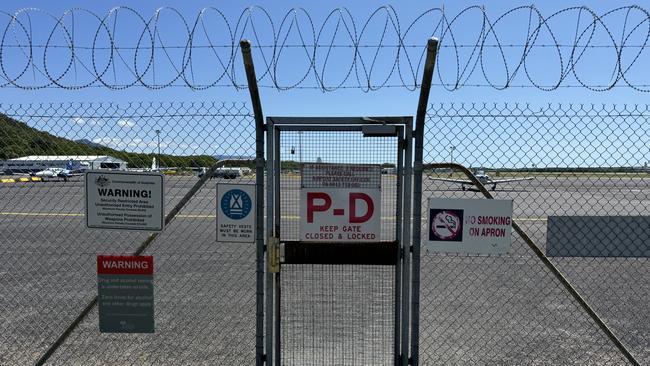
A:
x,y
34,163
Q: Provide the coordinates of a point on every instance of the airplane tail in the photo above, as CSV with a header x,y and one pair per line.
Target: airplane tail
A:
x,y
153,164
69,165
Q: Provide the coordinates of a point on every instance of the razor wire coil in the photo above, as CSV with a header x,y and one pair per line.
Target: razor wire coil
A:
x,y
125,48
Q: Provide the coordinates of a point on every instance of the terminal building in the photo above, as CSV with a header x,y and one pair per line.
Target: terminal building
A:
x,y
34,163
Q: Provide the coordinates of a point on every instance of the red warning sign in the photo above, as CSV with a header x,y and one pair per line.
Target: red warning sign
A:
x,y
124,264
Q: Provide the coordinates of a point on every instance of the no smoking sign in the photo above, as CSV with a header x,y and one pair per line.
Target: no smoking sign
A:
x,y
446,225
469,225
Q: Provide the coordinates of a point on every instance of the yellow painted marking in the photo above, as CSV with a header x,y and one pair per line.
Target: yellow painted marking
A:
x,y
22,179
190,216
41,214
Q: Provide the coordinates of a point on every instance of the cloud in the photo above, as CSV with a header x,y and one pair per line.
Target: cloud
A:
x,y
125,123
86,121
136,144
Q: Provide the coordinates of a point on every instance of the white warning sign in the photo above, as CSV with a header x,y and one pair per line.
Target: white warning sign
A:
x,y
124,200
469,225
340,203
236,213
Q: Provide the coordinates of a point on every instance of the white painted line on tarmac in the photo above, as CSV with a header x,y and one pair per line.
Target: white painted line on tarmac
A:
x,y
210,216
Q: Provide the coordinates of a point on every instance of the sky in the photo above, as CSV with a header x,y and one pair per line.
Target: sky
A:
x,y
374,24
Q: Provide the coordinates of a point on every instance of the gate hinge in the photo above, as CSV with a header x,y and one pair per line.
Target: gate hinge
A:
x,y
273,255
410,361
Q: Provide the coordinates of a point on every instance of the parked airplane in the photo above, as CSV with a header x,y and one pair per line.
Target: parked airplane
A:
x,y
485,179
154,167
225,173
71,170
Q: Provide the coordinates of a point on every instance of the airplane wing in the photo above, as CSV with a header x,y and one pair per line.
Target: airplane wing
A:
x,y
497,181
459,181
70,174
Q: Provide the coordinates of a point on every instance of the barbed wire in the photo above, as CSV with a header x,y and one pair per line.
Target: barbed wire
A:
x,y
574,47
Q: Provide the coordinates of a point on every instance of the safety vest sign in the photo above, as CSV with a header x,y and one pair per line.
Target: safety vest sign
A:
x,y
340,203
236,213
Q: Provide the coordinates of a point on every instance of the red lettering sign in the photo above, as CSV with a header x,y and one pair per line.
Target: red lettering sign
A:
x,y
311,207
325,203
124,264
354,196
341,215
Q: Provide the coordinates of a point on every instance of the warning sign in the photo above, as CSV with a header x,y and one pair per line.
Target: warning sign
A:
x,y
340,203
236,213
124,200
125,286
469,226
340,176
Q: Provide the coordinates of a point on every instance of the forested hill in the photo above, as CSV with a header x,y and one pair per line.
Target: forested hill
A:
x,y
18,139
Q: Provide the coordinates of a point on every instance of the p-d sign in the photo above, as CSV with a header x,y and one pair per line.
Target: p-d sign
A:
x,y
340,214
340,202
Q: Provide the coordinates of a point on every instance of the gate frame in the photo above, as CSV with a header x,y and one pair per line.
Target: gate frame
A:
x,y
370,127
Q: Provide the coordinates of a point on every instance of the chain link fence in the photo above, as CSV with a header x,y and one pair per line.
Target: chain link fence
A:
x,y
510,309
204,291
476,309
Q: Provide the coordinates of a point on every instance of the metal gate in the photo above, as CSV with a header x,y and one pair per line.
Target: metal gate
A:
x,y
333,303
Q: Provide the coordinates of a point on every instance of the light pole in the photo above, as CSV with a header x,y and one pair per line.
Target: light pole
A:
x,y
300,146
158,136
451,157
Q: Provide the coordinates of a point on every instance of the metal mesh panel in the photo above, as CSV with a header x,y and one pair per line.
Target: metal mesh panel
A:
x,y
336,314
510,309
334,147
204,291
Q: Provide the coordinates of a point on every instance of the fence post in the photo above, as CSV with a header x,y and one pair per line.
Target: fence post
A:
x,y
259,194
425,88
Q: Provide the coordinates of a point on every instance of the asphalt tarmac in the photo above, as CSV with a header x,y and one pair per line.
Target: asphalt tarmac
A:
x,y
499,309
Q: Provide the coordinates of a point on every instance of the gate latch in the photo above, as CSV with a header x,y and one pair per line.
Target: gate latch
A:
x,y
273,255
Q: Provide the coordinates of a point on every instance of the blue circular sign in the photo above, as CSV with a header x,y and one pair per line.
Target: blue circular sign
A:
x,y
236,204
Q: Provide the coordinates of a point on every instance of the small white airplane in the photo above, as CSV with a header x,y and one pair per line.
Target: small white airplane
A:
x,y
485,179
154,167
70,171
